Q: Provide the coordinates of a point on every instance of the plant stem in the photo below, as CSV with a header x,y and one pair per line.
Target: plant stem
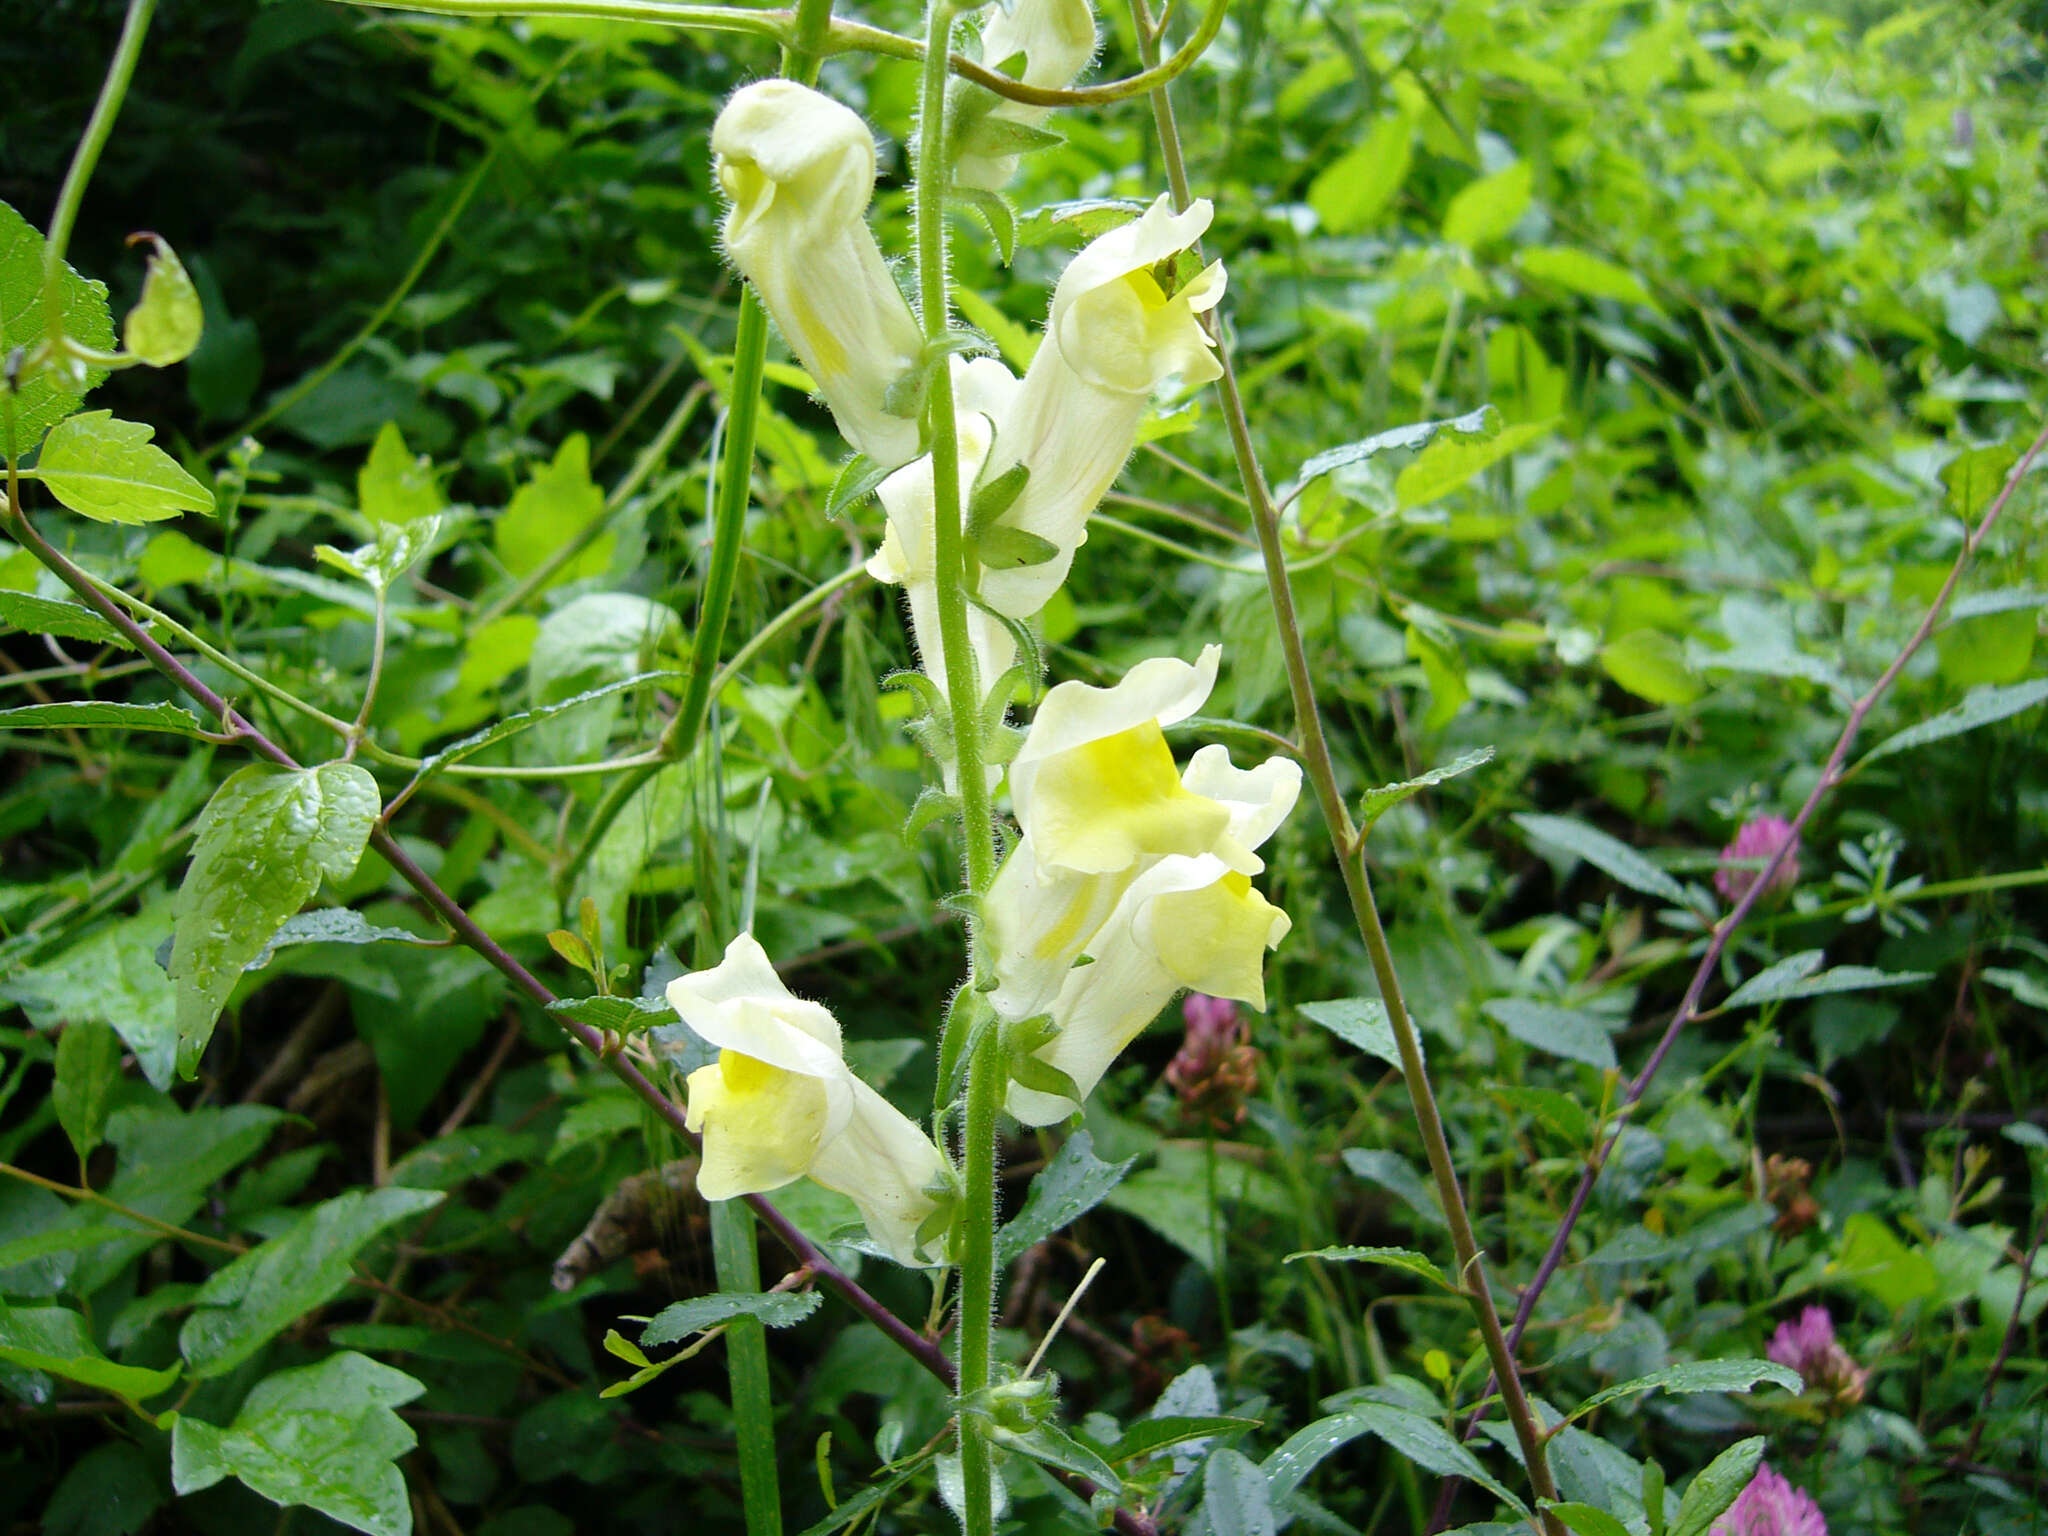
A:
x,y
1321,769
978,1275
113,90
738,1265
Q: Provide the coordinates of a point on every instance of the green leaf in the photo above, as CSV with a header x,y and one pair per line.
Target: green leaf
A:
x,y
248,1303
1394,1258
111,976
67,621
1585,1519
1148,1436
1563,1032
774,1309
1235,1496
1349,193
1065,1190
55,1339
1652,665
558,503
1584,273
1443,671
1981,706
1429,1445
88,1064
1710,1494
1485,210
995,497
1479,425
1375,803
265,840
1794,976
165,325
1393,1172
1870,1256
393,486
624,1015
1304,1450
323,1436
1696,1376
1452,460
46,397
91,714
334,925
857,477
397,548
112,1490
111,471
1605,853
1974,477
1054,1447
1360,1022
512,725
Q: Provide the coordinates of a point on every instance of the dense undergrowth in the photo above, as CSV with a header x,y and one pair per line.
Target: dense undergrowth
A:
x,y
1755,293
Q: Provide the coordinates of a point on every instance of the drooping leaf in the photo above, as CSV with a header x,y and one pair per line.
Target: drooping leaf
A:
x,y
267,837
1477,425
1603,852
1066,1189
624,1015
1375,803
165,325
1394,1258
1451,461
55,1339
246,1304
91,714
1565,1032
322,1435
111,471
45,398
334,925
774,1309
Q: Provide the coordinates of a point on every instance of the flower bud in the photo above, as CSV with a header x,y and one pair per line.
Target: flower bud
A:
x,y
1057,39
1742,861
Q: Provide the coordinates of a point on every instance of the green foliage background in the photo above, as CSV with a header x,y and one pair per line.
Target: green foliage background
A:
x,y
1756,292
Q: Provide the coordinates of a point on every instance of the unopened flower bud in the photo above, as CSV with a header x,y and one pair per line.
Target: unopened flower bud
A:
x,y
1743,861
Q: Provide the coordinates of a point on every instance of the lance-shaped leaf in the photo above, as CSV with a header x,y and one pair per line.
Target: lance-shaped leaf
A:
x,y
266,839
88,714
54,1339
67,621
164,326
1375,803
111,471
323,1435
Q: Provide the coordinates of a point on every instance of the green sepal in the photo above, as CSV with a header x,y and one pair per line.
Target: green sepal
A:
x,y
992,498
1008,549
1020,1043
995,136
1030,654
957,1044
944,1189
857,478
1000,744
905,395
931,805
996,213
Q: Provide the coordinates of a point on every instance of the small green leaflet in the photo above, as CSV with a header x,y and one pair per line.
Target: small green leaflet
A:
x,y
55,1339
1375,803
774,1309
512,725
88,714
1429,1445
1156,1434
339,1411
1980,706
1360,1022
334,925
1394,1258
67,621
164,326
1066,1189
266,839
88,1064
397,548
109,470
1710,1494
1696,1376
1795,976
1395,1174
1603,852
1586,1520
1475,425
44,398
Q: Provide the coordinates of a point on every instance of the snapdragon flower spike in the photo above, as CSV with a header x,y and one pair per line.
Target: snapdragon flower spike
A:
x,y
1143,871
780,1103
800,170
1057,39
1119,328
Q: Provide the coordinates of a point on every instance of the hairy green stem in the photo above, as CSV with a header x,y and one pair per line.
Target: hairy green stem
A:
x,y
1322,773
738,1265
113,90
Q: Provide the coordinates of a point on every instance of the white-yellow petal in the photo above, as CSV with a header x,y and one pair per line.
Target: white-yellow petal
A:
x,y
1258,799
1057,39
883,1162
1039,921
1214,938
741,1005
762,1126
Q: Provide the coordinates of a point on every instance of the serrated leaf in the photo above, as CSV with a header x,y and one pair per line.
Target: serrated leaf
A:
x,y
334,925
1235,1496
395,550
165,325
1563,1032
45,398
88,1064
559,502
1980,706
1795,976
1360,1022
1696,1376
1710,1494
55,1339
1394,1258
111,471
394,486
265,840
245,1305
623,1015
1375,803
1451,461
1480,424
1605,853
1065,1190
91,714
67,621
322,1435
773,1309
